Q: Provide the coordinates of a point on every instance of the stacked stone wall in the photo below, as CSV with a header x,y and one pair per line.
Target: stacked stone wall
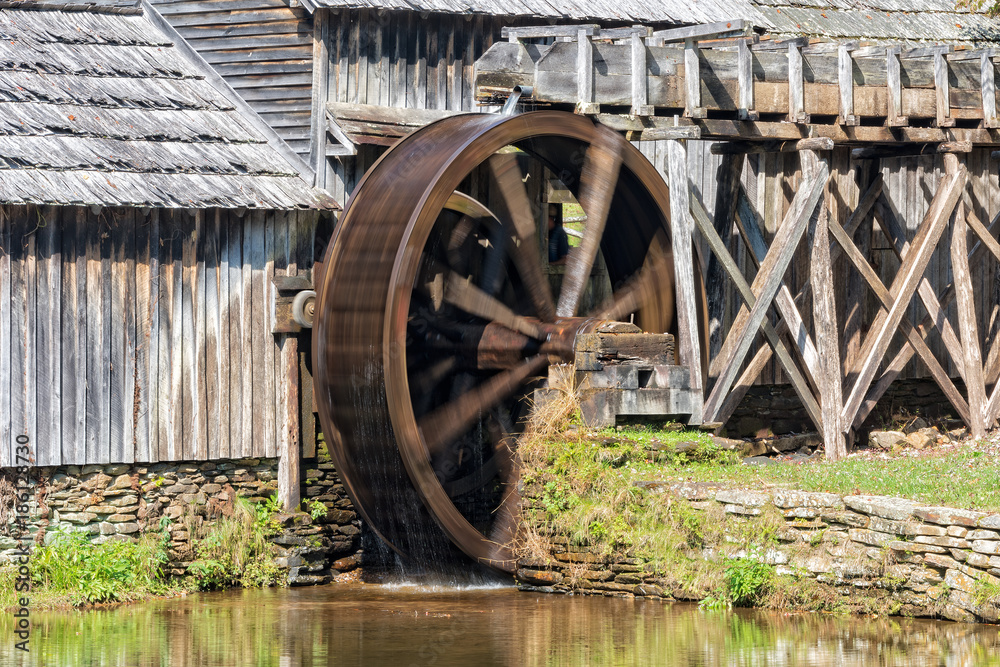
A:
x,y
913,559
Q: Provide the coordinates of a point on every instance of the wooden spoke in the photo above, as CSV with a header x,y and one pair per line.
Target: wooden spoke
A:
x,y
601,165
446,423
516,215
461,293
644,288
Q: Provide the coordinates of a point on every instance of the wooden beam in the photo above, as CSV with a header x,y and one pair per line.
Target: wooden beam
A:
x,y
798,381
744,147
320,96
913,337
553,31
744,73
987,78
796,85
961,277
828,374
894,84
585,74
639,81
942,88
683,251
703,31
692,81
903,289
845,76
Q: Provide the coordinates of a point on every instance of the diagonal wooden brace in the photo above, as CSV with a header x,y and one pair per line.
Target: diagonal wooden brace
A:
x,y
760,296
903,288
857,258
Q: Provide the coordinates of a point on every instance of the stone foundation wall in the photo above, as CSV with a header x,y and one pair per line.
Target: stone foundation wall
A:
x,y
122,501
915,560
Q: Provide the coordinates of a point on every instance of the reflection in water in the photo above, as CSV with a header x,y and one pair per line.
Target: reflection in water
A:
x,y
404,625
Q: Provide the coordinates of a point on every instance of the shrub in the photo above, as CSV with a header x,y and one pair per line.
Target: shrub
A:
x,y
236,550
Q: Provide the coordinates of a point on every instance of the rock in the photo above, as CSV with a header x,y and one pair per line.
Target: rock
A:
x,y
916,548
886,439
951,542
649,590
977,560
982,535
847,518
580,558
346,564
739,497
760,461
792,442
959,531
988,547
916,424
871,537
948,516
920,440
991,521
897,509
940,562
539,577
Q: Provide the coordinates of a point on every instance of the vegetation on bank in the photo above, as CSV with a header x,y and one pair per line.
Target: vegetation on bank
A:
x,y
72,571
582,486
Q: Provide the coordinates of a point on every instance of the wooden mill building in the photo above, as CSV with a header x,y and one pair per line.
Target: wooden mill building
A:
x,y
145,211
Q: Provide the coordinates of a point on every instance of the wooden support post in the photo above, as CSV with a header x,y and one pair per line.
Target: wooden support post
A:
x,y
728,178
987,76
828,375
796,85
942,88
585,75
320,84
961,276
639,90
744,73
289,462
845,78
894,83
683,251
692,81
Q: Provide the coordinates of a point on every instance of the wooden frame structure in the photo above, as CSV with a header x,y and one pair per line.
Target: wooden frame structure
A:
x,y
756,96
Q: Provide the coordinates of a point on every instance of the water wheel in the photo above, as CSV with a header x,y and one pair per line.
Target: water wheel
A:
x,y
435,317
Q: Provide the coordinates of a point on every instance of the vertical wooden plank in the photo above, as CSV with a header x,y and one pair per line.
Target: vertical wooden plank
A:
x,y
744,76
145,335
222,316
233,322
6,306
24,307
412,66
728,177
202,372
178,418
214,379
584,73
343,29
826,330
320,96
131,337
357,67
987,80
692,76
420,69
288,466
452,98
48,338
681,227
164,316
192,431
973,361
796,85
385,43
268,343
374,35
895,85
942,89
122,388
252,363
845,78
97,386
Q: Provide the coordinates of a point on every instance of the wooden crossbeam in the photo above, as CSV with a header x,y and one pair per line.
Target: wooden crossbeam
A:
x,y
765,287
913,337
896,235
718,247
904,355
903,288
764,354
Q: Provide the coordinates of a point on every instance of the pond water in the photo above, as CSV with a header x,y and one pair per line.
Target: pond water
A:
x,y
404,625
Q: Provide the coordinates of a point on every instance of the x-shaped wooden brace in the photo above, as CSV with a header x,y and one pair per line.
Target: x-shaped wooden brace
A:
x,y
986,242
897,299
762,293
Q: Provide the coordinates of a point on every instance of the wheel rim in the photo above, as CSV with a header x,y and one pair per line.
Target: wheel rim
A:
x,y
367,342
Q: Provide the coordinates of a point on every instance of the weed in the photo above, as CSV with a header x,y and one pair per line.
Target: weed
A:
x,y
748,581
236,550
986,592
317,510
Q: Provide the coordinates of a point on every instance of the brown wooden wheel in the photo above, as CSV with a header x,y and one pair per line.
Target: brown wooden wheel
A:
x,y
435,318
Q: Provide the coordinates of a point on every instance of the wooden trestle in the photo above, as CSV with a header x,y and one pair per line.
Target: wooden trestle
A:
x,y
795,96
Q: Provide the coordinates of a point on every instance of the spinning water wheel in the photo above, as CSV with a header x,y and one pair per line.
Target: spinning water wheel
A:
x,y
435,318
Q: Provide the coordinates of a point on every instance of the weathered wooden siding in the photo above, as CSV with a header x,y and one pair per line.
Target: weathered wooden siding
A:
x,y
130,335
263,48
406,60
